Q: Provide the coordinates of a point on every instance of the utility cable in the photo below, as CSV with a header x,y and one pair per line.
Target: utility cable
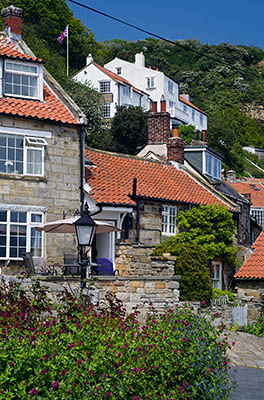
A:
x,y
153,34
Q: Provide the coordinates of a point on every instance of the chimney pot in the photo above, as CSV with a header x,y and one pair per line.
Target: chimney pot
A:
x,y
231,175
12,21
175,131
154,106
203,135
162,104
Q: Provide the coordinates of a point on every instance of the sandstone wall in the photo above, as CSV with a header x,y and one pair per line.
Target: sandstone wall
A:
x,y
57,190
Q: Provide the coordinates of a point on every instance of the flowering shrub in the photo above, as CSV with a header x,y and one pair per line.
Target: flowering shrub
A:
x,y
73,350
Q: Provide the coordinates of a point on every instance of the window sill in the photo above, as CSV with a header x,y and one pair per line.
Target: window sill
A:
x,y
24,177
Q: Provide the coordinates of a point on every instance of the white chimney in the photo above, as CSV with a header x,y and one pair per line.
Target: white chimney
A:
x,y
140,59
89,59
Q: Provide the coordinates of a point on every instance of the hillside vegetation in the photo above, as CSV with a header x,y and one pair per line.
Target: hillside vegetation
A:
x,y
228,85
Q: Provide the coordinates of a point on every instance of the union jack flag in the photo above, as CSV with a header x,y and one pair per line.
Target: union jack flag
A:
x,y
63,35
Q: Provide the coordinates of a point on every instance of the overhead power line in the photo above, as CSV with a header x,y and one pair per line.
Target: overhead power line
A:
x,y
153,34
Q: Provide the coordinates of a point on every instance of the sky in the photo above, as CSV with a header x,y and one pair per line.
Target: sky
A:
x,y
209,21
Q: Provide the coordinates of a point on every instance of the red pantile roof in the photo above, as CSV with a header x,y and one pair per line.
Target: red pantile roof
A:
x,y
111,180
257,194
191,105
8,49
253,268
51,109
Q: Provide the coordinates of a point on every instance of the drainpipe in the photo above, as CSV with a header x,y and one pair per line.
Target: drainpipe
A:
x,y
138,209
81,138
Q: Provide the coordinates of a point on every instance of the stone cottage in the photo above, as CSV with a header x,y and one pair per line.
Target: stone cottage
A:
x,y
142,197
39,152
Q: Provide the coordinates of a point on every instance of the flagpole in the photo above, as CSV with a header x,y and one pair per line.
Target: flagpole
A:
x,y
67,50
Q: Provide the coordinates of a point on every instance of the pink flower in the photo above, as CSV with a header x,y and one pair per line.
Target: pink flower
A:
x,y
43,372
33,392
68,392
108,394
63,371
11,364
55,385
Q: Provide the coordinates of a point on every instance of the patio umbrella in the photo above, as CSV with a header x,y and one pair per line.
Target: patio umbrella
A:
x,y
67,226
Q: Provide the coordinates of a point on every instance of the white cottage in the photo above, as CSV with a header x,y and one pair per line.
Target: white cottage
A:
x,y
116,90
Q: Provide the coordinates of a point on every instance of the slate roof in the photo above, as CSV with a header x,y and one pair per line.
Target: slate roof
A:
x,y
253,268
111,181
51,109
255,189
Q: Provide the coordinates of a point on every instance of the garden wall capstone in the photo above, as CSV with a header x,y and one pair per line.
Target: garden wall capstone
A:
x,y
142,292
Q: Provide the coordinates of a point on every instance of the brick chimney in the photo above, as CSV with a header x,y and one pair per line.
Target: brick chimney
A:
x,y
203,135
175,150
159,123
12,21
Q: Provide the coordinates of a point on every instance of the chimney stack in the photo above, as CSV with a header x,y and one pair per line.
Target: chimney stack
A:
x,y
140,59
203,136
12,22
158,127
175,150
89,59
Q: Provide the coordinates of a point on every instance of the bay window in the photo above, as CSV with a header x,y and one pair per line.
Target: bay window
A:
x,y
21,80
18,235
21,155
169,214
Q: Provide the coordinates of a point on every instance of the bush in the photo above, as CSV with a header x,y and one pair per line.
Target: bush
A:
x,y
192,265
77,351
218,292
257,328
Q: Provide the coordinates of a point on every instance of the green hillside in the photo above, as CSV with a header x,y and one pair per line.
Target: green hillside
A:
x,y
225,81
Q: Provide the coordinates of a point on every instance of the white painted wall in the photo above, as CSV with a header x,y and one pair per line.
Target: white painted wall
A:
x,y
92,74
137,74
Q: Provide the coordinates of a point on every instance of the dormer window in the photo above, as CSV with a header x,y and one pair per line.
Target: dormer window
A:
x,y
21,80
213,166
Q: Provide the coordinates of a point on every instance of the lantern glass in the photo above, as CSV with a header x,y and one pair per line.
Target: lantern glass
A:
x,y
85,234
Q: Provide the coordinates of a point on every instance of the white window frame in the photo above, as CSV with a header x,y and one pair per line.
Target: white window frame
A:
x,y
193,114
107,110
217,278
126,91
23,73
258,214
105,86
28,225
169,220
35,144
150,82
210,161
170,87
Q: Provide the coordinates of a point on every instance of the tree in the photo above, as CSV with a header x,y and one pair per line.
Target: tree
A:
x,y
129,129
90,102
192,265
210,227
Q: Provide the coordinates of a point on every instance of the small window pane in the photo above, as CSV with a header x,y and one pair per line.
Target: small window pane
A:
x,y
8,78
36,218
2,251
3,216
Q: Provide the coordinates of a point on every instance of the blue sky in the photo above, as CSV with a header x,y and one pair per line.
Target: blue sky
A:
x,y
210,21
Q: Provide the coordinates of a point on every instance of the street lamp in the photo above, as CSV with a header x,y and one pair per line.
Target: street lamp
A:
x,y
85,230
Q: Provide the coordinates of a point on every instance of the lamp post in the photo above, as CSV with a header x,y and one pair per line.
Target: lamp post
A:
x,y
85,230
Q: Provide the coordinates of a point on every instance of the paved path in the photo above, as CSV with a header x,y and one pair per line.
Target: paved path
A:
x,y
248,350
250,383
247,360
